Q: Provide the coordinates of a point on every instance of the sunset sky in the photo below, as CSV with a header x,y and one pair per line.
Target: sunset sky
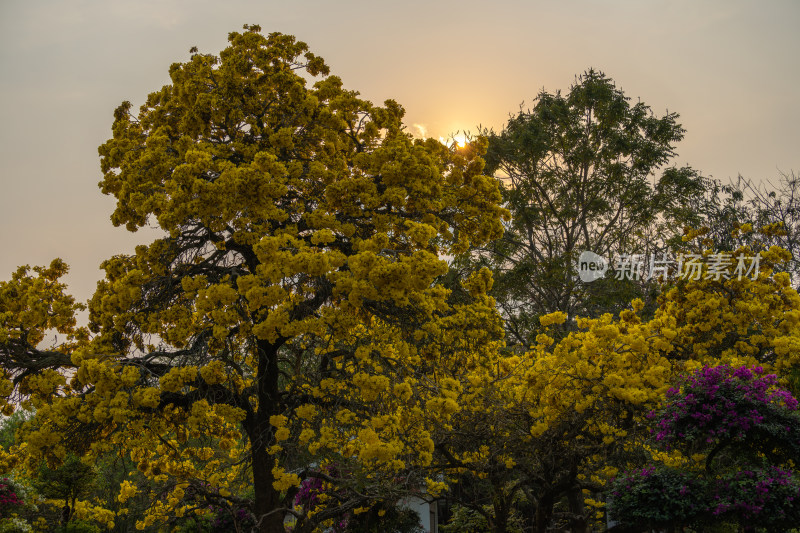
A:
x,y
729,67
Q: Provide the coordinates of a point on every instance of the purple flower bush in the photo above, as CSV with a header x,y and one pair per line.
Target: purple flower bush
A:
x,y
16,507
749,430
308,498
308,494
231,520
9,500
767,495
721,404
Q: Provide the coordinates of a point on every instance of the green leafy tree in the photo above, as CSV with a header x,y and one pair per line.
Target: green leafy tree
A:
x,y
580,172
9,427
67,481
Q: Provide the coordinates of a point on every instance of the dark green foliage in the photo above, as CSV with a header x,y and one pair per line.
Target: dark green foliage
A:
x,y
761,499
8,427
70,480
654,498
79,526
469,520
464,519
579,174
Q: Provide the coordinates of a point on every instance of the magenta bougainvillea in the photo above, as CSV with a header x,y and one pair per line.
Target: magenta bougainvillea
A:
x,y
770,493
309,495
9,500
748,427
723,403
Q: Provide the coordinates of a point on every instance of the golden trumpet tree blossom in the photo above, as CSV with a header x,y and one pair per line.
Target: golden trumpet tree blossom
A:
x,y
555,423
289,319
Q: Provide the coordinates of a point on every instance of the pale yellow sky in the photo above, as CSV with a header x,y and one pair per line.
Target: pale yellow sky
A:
x,y
729,67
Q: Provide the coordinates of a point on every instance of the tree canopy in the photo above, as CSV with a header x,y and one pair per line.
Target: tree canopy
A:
x,y
332,322
295,287
580,172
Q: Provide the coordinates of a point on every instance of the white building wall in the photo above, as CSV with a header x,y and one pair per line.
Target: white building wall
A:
x,y
428,513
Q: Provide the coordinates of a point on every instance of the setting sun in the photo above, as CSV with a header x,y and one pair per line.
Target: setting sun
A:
x,y
459,139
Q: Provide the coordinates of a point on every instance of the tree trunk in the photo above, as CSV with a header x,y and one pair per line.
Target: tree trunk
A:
x,y
267,500
544,513
576,507
500,514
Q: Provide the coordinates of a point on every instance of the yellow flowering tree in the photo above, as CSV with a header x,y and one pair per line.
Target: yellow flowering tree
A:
x,y
288,320
551,426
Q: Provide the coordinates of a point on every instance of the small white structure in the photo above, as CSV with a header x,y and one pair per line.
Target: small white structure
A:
x,y
428,513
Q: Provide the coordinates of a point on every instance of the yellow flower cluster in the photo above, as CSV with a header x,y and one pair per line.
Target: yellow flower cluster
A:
x,y
579,398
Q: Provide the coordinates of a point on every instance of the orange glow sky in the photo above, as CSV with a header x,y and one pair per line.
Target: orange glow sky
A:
x,y
729,67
